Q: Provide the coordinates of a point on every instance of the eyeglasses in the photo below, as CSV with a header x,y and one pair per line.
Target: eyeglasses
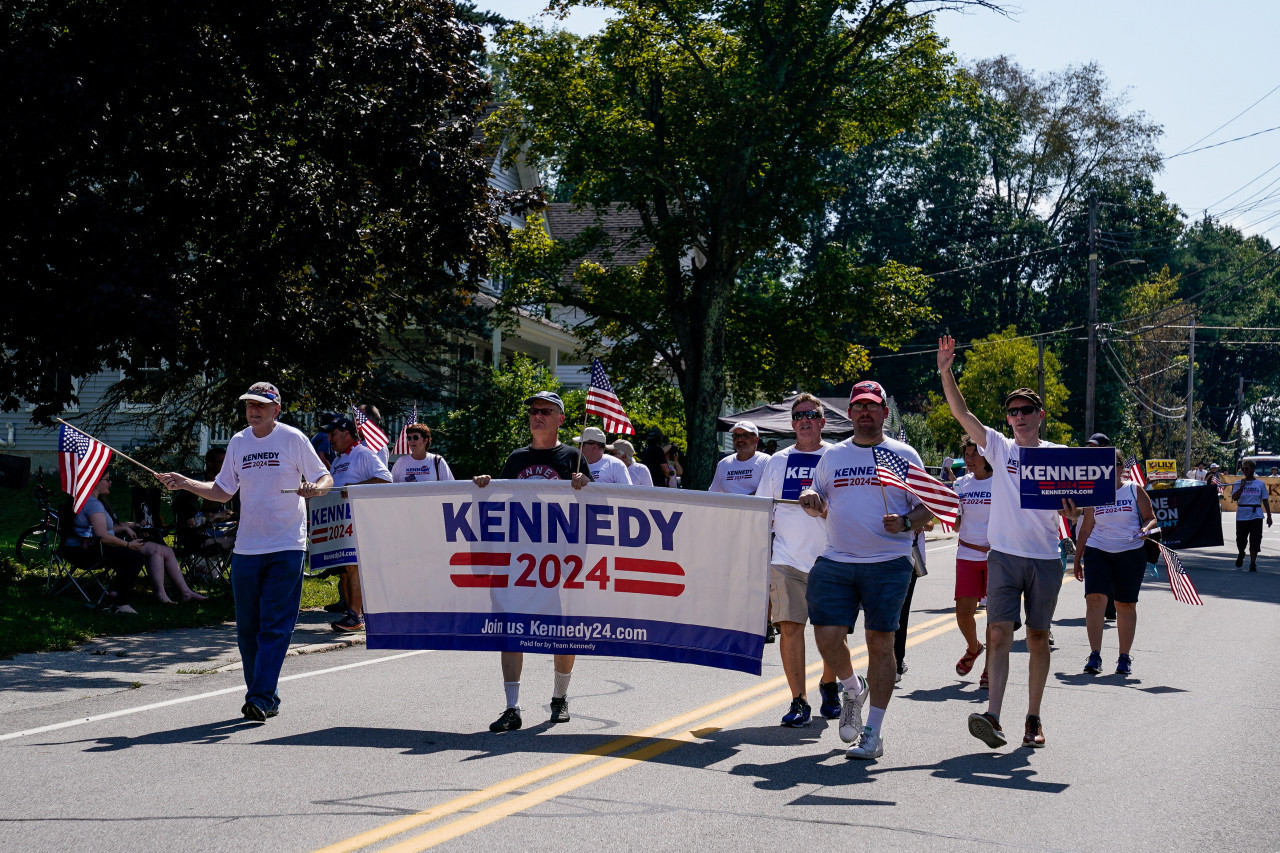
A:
x,y
545,412
738,435
413,437
1014,411
592,443
806,416
865,407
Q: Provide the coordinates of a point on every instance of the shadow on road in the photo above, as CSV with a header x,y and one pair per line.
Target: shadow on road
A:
x,y
207,733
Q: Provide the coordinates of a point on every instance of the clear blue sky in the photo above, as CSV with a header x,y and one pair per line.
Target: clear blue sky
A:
x,y
1190,66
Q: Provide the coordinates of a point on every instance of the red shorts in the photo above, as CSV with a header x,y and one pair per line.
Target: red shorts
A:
x,y
971,578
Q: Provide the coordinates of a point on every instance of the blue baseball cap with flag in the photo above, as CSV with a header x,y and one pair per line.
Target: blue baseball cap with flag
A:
x,y
262,392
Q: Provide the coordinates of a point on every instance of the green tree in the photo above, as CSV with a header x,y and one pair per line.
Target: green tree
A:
x,y
710,120
230,192
993,367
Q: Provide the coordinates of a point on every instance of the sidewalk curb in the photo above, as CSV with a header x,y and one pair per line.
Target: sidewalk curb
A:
x,y
310,649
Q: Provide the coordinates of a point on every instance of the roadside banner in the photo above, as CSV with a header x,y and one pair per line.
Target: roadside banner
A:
x,y
535,566
1161,469
1189,517
1086,475
331,539
1229,483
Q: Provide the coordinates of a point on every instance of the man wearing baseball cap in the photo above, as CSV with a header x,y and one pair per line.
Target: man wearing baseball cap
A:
x,y
866,565
604,468
354,464
544,458
1023,565
274,468
740,473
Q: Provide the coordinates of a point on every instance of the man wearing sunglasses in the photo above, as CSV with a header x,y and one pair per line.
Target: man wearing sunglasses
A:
x,y
1023,565
798,541
545,458
604,468
866,565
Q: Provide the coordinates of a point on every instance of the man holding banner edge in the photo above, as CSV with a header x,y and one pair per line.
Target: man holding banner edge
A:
x,y
1023,562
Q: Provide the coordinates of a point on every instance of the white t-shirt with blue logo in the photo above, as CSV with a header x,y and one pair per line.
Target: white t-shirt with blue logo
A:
x,y
1116,526
737,477
975,513
410,470
1030,533
846,479
260,468
799,539
358,465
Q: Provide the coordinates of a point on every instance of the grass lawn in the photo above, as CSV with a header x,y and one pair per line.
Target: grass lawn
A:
x,y
31,621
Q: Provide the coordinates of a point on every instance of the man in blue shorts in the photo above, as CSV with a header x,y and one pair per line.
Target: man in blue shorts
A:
x,y
866,564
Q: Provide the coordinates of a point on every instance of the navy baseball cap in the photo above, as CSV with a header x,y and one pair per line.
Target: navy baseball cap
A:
x,y
547,397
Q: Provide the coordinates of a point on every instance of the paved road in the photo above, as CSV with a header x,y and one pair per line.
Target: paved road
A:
x,y
379,750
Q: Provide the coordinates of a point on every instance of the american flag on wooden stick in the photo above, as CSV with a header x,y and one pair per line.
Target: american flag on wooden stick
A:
x,y
370,432
603,402
82,461
900,473
1134,469
402,443
1179,581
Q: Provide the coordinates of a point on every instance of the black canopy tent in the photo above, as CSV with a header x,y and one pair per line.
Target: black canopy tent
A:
x,y
774,419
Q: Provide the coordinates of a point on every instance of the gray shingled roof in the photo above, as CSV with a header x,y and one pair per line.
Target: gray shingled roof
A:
x,y
564,222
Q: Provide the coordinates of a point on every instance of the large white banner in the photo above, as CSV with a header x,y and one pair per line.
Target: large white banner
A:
x,y
534,566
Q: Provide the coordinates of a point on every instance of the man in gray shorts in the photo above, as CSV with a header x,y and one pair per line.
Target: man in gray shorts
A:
x,y
798,541
1023,566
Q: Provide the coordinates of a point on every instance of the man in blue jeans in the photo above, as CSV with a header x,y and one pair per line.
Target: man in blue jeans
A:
x,y
866,565
262,462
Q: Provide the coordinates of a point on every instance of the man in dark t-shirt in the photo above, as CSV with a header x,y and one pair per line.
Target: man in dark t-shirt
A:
x,y
654,458
544,458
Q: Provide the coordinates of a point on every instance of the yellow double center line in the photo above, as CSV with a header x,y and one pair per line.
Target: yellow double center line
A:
x,y
666,736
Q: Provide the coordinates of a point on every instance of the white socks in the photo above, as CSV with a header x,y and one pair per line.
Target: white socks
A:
x,y
562,685
852,685
874,717
512,689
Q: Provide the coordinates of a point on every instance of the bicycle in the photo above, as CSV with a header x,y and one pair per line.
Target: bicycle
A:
x,y
37,544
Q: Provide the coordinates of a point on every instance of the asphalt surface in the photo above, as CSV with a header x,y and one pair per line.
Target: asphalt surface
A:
x,y
137,744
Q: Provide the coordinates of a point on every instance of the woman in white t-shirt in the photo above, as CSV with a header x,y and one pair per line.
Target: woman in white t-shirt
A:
x,y
1250,495
974,490
420,466
1110,558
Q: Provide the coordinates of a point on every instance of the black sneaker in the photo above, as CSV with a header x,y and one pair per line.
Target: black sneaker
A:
x,y
1253,567
1093,665
830,707
349,624
799,715
559,710
508,722
770,632
1239,559
253,712
336,607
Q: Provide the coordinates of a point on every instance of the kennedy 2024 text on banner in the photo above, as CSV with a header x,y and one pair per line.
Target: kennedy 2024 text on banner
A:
x,y
535,566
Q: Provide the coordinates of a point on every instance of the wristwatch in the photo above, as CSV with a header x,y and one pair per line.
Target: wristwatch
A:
x,y
906,523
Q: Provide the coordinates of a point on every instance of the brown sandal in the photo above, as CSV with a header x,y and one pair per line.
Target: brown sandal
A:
x,y
964,666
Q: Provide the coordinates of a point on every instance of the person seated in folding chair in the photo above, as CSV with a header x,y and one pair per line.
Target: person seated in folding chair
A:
x,y
204,530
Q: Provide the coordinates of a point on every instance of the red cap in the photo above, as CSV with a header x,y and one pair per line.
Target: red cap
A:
x,y
867,390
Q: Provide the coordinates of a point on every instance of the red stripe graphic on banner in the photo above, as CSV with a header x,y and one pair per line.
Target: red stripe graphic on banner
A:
x,y
658,567
472,581
648,587
466,558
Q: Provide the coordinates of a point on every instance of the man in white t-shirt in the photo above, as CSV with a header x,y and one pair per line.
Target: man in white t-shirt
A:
x,y
1023,565
866,565
271,541
604,468
798,541
354,464
740,473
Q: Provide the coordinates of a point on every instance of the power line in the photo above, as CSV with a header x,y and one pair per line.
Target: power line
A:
x,y
1220,144
1224,124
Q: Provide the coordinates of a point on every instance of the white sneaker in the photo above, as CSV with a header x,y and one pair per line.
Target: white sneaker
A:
x,y
870,745
851,711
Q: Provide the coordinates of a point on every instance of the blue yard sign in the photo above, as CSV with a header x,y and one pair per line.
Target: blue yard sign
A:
x,y
1086,475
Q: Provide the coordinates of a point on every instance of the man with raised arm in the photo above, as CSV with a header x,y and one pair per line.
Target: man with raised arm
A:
x,y
1023,566
544,458
866,565
274,467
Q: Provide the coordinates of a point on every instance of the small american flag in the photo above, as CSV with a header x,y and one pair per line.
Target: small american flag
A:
x,y
902,433
603,402
893,470
1134,470
1179,581
402,443
372,434
82,461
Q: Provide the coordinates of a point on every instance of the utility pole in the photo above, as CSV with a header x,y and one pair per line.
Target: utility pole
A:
x,y
1044,424
1191,384
1091,371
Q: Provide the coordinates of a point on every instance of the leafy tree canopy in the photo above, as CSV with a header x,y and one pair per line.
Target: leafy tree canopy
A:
x,y
233,192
